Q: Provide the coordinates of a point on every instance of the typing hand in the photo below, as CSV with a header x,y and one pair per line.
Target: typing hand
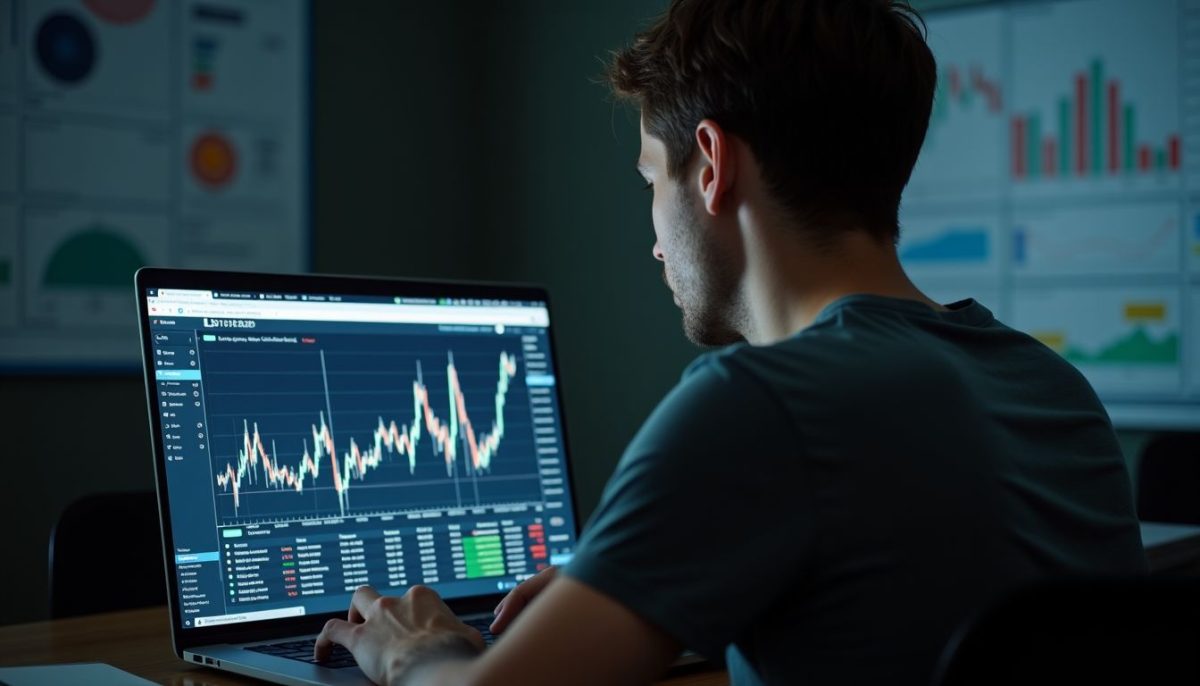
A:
x,y
519,597
390,636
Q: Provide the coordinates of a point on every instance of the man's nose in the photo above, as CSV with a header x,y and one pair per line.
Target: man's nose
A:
x,y
657,252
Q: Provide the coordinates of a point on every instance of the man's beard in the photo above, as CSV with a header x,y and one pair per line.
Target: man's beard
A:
x,y
708,289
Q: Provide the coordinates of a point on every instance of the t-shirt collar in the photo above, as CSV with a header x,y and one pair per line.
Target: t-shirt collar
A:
x,y
968,311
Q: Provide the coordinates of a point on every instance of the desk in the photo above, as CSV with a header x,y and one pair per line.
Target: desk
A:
x,y
139,642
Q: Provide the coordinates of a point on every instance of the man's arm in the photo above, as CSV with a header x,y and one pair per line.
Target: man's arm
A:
x,y
573,634
570,634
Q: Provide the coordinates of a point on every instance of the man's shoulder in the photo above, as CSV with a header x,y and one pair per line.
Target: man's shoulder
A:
x,y
718,397
831,368
815,357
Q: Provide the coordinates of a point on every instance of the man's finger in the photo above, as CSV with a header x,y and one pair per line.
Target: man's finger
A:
x,y
360,601
519,597
509,608
335,631
528,588
518,591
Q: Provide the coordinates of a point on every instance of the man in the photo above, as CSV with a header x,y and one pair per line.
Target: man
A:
x,y
828,500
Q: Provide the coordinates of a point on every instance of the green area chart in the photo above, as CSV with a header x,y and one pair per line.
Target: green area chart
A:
x,y
1137,347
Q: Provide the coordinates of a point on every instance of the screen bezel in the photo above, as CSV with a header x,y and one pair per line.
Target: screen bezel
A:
x,y
150,277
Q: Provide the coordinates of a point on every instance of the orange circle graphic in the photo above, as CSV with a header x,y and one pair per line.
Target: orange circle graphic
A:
x,y
214,161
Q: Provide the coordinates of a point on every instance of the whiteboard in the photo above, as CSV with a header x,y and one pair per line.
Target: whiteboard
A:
x,y
142,132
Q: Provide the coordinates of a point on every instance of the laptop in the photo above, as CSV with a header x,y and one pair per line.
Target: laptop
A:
x,y
315,433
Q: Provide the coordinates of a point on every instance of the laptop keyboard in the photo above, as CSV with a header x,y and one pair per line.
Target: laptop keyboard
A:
x,y
483,624
302,650
339,657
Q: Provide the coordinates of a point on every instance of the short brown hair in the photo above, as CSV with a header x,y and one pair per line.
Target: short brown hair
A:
x,y
832,96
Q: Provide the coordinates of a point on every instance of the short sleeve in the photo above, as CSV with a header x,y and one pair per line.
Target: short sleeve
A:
x,y
704,525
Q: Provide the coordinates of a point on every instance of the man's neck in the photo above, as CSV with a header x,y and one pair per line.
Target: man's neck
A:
x,y
788,282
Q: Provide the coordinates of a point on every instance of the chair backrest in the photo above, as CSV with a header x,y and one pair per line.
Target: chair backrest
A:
x,y
106,555
1087,631
1169,479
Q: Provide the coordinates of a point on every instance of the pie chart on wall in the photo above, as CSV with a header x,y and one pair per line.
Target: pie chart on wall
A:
x,y
65,48
96,257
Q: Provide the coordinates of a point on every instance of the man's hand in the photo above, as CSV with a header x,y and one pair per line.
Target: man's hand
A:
x,y
390,636
519,597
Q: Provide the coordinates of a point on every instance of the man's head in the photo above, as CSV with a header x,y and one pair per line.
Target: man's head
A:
x,y
831,99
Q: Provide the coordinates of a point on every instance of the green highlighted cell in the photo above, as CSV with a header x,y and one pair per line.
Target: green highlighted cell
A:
x,y
484,556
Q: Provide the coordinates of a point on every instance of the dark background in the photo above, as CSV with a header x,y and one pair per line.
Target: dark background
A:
x,y
452,140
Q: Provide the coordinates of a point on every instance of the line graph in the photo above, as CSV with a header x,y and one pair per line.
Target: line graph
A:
x,y
1141,238
298,462
402,440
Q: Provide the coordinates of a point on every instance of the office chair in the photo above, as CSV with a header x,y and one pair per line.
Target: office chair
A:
x,y
106,555
1134,631
1169,479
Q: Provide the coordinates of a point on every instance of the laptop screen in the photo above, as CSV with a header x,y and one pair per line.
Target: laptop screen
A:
x,y
316,442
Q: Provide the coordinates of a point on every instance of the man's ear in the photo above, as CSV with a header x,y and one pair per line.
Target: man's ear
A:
x,y
717,168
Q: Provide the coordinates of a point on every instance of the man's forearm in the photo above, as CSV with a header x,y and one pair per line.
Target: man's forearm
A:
x,y
441,662
444,672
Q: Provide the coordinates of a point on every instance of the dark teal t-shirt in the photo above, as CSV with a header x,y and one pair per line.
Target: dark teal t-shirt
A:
x,y
828,509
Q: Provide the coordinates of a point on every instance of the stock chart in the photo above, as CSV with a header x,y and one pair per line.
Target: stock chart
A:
x,y
354,427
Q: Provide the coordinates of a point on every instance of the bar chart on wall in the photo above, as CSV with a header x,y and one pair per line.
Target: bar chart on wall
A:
x,y
1060,184
1099,110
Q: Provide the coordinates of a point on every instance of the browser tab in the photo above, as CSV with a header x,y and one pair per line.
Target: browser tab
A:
x,y
183,294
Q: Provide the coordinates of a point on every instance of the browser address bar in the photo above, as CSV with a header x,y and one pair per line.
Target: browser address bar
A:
x,y
356,312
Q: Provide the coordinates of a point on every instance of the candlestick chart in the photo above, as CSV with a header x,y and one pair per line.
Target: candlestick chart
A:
x,y
348,428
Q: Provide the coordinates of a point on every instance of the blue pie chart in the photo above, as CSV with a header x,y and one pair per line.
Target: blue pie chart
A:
x,y
65,48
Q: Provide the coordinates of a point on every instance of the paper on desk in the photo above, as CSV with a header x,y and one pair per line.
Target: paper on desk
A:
x,y
92,673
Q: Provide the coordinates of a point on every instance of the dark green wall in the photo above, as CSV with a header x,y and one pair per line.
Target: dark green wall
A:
x,y
486,147
566,208
53,454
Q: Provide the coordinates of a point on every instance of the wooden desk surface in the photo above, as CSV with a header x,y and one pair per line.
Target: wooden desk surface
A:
x,y
139,642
